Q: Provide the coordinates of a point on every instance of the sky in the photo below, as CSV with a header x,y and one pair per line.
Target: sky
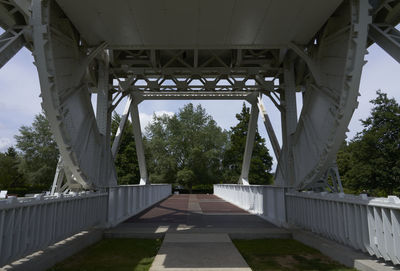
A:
x,y
20,98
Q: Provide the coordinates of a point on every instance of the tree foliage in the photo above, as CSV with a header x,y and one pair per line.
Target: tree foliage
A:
x,y
39,152
10,177
261,161
187,147
371,161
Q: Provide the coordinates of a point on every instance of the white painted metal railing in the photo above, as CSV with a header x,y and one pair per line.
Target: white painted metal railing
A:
x,y
264,200
369,224
31,224
128,200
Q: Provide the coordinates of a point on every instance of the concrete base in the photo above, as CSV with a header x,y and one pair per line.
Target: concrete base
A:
x,y
205,252
44,259
340,253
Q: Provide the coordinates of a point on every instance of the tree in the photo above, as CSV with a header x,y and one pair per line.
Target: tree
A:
x,y
187,147
9,174
371,161
261,161
39,152
126,162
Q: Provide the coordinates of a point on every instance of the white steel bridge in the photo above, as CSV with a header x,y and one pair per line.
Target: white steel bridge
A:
x,y
233,50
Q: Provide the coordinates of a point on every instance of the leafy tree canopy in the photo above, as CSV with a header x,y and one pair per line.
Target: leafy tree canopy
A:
x,y
10,177
39,152
371,161
187,147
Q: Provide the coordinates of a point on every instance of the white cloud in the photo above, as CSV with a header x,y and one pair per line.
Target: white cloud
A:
x,y
5,143
146,119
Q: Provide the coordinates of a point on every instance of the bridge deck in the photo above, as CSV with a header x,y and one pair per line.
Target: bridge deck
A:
x,y
196,214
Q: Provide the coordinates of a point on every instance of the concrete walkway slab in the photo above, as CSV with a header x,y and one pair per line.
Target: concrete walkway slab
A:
x,y
205,252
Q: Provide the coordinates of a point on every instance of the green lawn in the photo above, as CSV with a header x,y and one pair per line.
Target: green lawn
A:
x,y
114,255
284,254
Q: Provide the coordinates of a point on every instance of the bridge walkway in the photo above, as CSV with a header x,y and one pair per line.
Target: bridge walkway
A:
x,y
197,231
196,213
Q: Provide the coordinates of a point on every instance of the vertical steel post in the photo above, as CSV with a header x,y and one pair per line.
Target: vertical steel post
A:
x,y
289,120
244,176
103,115
137,132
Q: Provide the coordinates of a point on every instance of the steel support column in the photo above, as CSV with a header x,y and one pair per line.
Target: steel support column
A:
x,y
251,133
117,140
103,115
137,132
289,121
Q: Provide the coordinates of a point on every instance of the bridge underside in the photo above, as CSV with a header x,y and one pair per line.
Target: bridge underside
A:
x,y
147,50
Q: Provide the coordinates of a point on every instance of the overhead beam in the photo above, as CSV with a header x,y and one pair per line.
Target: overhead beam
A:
x,y
193,95
248,151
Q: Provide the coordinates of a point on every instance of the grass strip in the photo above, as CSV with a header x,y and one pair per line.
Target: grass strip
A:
x,y
113,254
284,254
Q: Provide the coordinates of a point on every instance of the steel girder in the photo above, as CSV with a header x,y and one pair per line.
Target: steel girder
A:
x,y
327,71
330,98
62,67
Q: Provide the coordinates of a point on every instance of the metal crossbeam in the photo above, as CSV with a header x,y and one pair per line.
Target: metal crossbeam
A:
x,y
192,95
196,70
196,83
11,42
387,37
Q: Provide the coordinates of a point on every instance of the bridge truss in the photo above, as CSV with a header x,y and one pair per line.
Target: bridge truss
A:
x,y
233,50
